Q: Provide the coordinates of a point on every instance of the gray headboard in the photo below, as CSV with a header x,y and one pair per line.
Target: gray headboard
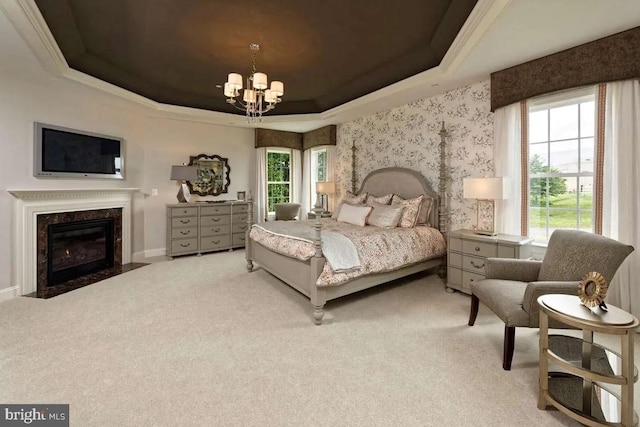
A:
x,y
404,182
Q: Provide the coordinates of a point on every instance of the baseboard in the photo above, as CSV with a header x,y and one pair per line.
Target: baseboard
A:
x,y
9,293
140,256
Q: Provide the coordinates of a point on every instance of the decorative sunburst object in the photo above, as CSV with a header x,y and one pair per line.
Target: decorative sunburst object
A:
x,y
592,289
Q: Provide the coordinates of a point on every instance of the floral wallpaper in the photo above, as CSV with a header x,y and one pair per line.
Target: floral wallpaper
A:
x,y
408,136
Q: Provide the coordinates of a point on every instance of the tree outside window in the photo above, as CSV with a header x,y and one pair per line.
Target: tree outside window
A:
x,y
278,178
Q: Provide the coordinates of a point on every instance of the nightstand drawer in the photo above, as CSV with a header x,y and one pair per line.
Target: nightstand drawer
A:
x,y
240,227
215,220
184,245
215,242
468,278
479,248
184,222
240,208
240,218
474,264
177,233
455,260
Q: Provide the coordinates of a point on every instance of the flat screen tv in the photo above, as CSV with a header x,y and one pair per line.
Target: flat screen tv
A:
x,y
67,153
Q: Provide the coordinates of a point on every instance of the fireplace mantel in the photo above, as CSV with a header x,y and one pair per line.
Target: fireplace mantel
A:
x,y
31,203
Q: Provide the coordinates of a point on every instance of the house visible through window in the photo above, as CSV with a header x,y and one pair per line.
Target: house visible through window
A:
x,y
278,177
562,131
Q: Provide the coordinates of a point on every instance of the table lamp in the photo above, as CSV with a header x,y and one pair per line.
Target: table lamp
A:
x,y
485,191
324,189
184,173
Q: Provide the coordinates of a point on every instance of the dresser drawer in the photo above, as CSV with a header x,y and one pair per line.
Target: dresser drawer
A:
x,y
240,217
455,244
184,245
239,239
215,220
479,248
215,210
240,227
214,230
190,211
215,242
240,208
190,221
184,232
455,260
468,278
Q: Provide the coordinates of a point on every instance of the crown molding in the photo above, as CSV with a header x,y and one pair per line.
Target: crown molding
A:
x,y
28,21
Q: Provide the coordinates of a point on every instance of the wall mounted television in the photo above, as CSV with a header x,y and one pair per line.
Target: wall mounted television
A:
x,y
68,153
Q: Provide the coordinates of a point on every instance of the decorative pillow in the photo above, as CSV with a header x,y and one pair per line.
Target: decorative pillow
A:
x,y
425,212
384,200
411,211
385,216
351,199
356,215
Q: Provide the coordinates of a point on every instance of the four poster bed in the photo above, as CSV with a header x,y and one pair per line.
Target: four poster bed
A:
x,y
313,256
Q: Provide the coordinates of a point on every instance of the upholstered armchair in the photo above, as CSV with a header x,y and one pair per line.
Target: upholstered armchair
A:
x,y
512,286
287,211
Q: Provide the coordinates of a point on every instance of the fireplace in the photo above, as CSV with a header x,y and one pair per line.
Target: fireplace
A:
x,y
76,248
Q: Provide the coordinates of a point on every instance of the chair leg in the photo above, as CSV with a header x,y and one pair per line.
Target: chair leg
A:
x,y
509,342
473,313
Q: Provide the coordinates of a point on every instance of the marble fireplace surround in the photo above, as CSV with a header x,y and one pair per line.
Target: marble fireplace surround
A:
x,y
31,203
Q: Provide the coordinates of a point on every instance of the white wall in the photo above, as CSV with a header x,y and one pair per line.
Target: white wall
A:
x,y
152,144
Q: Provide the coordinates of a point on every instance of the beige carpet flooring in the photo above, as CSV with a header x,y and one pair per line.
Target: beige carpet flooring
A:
x,y
199,341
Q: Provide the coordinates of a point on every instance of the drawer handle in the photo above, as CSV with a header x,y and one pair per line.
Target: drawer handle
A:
x,y
242,228
477,248
216,230
215,219
185,245
184,233
185,211
215,242
477,266
185,221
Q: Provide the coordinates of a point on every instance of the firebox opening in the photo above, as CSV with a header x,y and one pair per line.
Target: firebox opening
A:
x,y
79,248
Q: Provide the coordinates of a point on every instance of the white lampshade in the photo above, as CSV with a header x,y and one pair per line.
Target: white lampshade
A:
x,y
328,187
277,88
249,96
269,96
485,188
235,80
260,81
228,90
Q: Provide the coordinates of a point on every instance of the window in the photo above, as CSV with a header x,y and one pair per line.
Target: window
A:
x,y
562,131
278,178
318,170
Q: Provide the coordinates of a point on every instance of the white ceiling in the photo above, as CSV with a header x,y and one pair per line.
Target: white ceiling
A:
x,y
497,35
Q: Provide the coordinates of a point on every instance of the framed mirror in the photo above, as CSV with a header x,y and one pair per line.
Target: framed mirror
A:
x,y
213,175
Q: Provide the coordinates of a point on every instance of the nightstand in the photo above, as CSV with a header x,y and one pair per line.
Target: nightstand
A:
x,y
312,215
468,251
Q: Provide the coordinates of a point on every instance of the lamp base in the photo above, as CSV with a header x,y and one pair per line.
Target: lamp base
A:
x,y
183,193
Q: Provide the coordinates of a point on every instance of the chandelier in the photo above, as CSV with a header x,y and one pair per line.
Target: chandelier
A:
x,y
256,98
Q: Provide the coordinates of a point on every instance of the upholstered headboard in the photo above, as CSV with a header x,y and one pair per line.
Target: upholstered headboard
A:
x,y
406,183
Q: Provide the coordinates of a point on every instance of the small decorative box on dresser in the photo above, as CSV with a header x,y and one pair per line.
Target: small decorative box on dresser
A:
x,y
196,228
467,252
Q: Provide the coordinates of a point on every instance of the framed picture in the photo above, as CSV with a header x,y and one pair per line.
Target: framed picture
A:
x,y
241,195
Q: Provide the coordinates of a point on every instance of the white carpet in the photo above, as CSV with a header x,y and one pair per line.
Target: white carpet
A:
x,y
199,341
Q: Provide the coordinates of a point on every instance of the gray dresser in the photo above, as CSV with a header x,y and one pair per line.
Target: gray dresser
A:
x,y
468,251
197,228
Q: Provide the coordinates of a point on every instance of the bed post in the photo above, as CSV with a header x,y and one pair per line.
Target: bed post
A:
x,y
353,166
317,296
442,190
247,240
